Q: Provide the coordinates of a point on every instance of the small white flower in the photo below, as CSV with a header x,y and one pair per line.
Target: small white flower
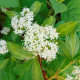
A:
x,y
69,77
77,76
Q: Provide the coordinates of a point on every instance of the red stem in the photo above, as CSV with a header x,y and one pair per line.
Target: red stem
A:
x,y
43,72
8,9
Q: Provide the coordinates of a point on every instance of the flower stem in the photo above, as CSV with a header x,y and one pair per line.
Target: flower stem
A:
x,y
67,66
56,74
48,3
43,72
8,9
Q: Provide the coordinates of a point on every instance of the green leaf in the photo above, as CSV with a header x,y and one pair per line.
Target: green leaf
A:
x,y
30,70
65,28
58,7
44,4
18,52
9,3
7,22
39,19
45,12
7,74
49,21
68,70
3,63
77,28
72,42
28,3
58,65
73,11
10,14
36,6
66,1
36,70
14,37
63,49
1,73
77,56
59,23
78,34
69,48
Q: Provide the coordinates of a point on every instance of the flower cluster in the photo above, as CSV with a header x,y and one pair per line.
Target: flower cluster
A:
x,y
3,9
3,47
25,20
36,39
76,72
5,30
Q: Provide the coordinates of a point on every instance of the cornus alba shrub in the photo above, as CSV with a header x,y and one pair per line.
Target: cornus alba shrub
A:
x,y
40,40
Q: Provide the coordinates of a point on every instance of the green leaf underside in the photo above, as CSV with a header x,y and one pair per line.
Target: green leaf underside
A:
x,y
63,49
69,48
18,52
9,3
36,6
73,11
58,7
3,63
49,21
65,28
72,41
28,70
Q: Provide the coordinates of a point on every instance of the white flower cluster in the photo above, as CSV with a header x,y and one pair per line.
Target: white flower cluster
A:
x,y
76,72
36,40
36,36
3,47
75,75
25,20
3,9
5,30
